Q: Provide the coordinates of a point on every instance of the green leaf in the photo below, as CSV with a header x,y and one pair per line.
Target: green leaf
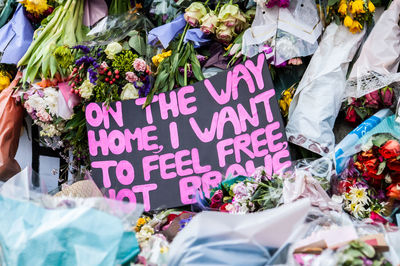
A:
x,y
332,2
380,139
137,43
381,168
196,67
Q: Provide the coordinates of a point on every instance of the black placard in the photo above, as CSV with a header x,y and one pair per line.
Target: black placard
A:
x,y
188,139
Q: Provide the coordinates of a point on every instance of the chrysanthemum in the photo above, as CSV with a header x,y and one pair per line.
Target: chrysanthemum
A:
x,y
37,7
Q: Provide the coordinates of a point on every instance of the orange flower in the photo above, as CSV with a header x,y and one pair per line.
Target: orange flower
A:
x,y
393,191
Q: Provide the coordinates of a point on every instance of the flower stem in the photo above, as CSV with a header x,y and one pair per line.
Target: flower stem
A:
x,y
185,75
182,37
206,2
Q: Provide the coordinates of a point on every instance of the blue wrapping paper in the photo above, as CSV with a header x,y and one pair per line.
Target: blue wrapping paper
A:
x,y
197,37
15,37
166,33
33,235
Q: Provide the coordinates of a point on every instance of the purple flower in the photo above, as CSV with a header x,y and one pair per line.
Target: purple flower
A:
x,y
366,261
284,3
202,59
83,48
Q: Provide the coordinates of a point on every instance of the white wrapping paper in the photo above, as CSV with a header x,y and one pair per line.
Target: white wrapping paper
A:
x,y
379,59
293,31
318,98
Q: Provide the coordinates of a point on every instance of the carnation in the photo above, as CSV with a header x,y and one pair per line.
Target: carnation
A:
x,y
139,65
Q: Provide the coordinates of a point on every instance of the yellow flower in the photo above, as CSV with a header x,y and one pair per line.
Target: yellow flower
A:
x,y
157,59
348,22
37,7
371,7
4,81
140,222
356,27
285,101
357,6
343,9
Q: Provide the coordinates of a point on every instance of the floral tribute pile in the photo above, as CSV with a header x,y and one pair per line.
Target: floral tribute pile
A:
x,y
70,53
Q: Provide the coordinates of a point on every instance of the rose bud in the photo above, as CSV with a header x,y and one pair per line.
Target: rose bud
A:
x,y
351,114
387,96
194,13
209,23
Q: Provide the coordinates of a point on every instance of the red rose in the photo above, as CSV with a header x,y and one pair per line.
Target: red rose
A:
x,y
372,165
393,191
223,208
393,164
215,205
344,186
390,149
217,197
351,114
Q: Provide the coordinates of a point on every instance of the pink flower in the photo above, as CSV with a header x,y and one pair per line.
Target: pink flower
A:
x,y
387,96
139,65
43,116
104,65
131,77
217,197
372,99
28,108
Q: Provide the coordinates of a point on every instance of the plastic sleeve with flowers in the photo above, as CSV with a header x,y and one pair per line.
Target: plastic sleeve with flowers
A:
x,y
317,101
213,238
379,59
291,32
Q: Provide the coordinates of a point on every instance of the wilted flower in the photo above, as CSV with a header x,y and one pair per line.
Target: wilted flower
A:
x,y
209,23
112,49
225,33
194,13
129,92
230,15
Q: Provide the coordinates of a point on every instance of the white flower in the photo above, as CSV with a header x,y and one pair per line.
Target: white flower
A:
x,y
112,49
359,195
368,145
86,89
36,102
129,92
51,99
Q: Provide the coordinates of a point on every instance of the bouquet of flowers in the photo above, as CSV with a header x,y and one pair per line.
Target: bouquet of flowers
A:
x,y
247,194
371,183
358,109
42,105
353,14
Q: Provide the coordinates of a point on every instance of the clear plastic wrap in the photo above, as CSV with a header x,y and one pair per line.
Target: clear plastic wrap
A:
x,y
236,239
310,179
379,59
291,32
38,229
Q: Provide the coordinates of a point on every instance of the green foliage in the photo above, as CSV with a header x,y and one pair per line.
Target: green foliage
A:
x,y
103,92
124,61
